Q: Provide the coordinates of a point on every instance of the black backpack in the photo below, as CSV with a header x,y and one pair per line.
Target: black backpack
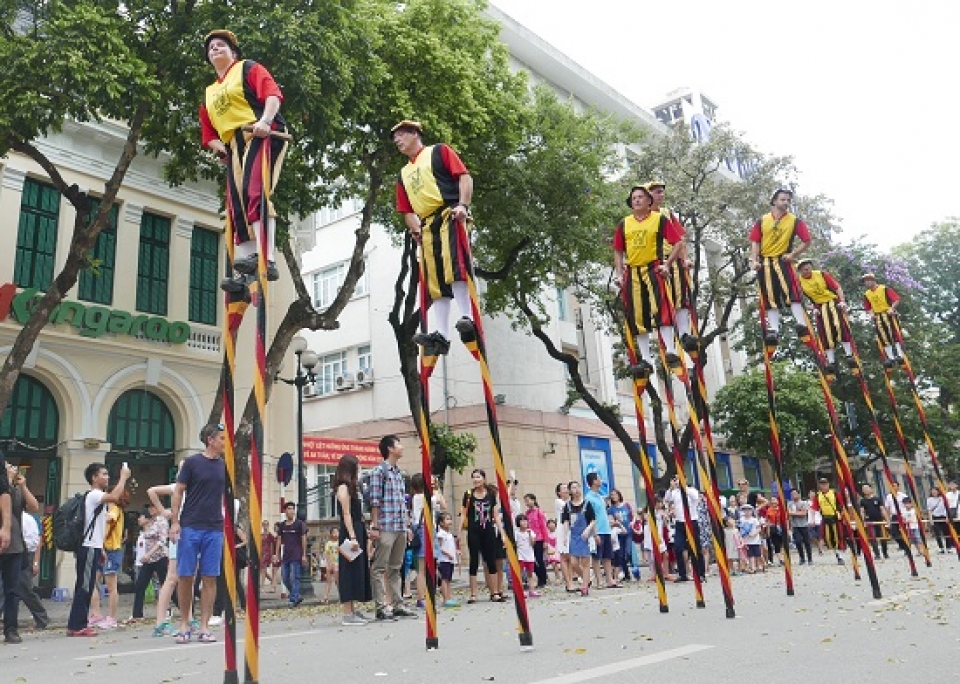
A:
x,y
68,529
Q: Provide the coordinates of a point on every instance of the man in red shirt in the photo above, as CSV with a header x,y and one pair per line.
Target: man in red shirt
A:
x,y
646,245
244,95
772,256
882,302
679,281
433,194
825,292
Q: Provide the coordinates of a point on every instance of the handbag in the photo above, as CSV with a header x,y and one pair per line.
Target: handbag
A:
x,y
416,540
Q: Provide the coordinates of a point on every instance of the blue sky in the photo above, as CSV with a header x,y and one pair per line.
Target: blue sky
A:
x,y
862,94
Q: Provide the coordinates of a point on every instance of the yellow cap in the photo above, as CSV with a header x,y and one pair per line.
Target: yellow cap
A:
x,y
407,123
226,35
868,276
650,185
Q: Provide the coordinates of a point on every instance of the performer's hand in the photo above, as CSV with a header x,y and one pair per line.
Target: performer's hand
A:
x,y
417,235
755,265
219,149
459,213
261,129
788,257
687,264
843,306
663,269
618,279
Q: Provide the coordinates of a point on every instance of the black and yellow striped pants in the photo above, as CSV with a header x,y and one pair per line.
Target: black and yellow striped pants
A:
x,y
444,255
646,297
779,286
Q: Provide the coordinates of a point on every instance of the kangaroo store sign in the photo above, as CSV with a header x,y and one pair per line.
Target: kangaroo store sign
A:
x,y
91,321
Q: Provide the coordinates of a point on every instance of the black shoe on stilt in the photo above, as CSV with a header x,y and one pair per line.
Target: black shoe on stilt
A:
x,y
246,265
238,284
771,338
888,363
641,370
434,344
803,332
902,362
673,361
690,344
467,330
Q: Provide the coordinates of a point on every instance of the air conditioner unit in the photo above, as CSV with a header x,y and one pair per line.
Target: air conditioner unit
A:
x,y
310,390
365,377
345,382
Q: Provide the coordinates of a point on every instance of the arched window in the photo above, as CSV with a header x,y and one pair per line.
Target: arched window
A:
x,y
140,426
32,418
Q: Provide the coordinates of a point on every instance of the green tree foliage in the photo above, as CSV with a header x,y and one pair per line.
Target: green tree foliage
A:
x,y
742,415
143,65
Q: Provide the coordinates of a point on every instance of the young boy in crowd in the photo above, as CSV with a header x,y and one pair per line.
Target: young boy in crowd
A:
x,y
750,531
447,558
331,561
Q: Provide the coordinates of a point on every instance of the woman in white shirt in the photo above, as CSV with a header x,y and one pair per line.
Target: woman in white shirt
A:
x,y
938,514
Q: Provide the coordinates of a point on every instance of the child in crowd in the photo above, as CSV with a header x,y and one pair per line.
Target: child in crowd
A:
x,y
525,540
553,557
447,558
330,558
912,522
732,543
750,531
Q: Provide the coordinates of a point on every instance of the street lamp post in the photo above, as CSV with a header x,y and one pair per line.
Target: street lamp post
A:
x,y
306,363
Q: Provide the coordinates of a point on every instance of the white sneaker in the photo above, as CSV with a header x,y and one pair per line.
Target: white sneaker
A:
x,y
352,620
215,621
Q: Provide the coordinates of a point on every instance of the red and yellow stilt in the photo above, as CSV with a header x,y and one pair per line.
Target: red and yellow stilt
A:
x,y
639,383
768,351
925,426
479,351
427,364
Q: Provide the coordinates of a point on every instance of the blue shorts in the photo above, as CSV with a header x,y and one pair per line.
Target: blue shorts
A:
x,y
604,548
201,549
114,561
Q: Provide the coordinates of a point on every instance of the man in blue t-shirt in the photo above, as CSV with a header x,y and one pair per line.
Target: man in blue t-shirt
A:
x,y
602,531
197,526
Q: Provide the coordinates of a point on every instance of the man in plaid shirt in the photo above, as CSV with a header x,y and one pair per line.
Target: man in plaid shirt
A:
x,y
389,529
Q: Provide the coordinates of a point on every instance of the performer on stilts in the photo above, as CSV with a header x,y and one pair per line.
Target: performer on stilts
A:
x,y
882,301
679,276
645,248
772,256
827,296
434,194
244,96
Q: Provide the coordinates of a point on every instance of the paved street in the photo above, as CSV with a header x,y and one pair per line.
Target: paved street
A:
x,y
832,627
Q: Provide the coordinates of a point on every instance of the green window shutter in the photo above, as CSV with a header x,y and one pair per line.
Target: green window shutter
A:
x,y
154,264
140,421
36,235
98,286
32,416
204,270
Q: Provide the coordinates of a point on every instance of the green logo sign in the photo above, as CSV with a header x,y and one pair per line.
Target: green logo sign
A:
x,y
91,321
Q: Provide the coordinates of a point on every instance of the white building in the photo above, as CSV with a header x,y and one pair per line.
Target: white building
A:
x,y
541,443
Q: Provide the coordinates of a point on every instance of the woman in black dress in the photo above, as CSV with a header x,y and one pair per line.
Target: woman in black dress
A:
x,y
354,574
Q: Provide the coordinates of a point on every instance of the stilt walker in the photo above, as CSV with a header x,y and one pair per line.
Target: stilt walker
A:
x,y
241,124
640,244
639,384
681,297
877,436
434,193
922,414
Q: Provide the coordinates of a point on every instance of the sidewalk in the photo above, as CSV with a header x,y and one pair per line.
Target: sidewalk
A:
x,y
58,611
